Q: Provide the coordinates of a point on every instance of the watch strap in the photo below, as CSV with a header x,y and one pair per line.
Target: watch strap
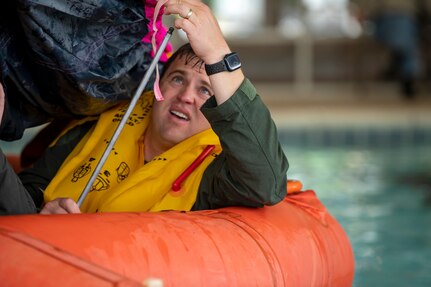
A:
x,y
230,62
215,68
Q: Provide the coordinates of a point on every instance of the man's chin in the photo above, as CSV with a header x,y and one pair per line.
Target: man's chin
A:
x,y
176,137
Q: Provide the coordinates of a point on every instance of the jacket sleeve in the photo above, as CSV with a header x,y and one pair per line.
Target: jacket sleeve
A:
x,y
251,170
14,198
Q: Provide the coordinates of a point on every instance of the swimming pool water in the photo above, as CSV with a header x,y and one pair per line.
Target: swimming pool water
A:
x,y
382,198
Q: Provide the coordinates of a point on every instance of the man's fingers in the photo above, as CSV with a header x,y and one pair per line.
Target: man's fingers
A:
x,y
52,207
185,9
69,205
60,206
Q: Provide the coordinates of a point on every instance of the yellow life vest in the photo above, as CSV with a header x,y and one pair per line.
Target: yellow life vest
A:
x,y
125,183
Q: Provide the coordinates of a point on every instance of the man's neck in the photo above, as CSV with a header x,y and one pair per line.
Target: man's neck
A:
x,y
152,148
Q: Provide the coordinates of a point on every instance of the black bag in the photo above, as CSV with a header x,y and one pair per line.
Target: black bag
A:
x,y
68,58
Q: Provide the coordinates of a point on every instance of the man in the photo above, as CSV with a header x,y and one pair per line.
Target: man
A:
x,y
396,27
216,117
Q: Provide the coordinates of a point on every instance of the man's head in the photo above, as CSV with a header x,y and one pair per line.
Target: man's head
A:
x,y
185,86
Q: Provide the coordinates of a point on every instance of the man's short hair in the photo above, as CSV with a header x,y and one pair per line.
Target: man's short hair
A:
x,y
186,52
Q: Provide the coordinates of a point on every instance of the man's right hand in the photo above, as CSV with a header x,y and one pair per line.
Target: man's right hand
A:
x,y
207,41
60,206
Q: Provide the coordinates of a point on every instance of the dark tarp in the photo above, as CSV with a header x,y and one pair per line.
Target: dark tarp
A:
x,y
68,58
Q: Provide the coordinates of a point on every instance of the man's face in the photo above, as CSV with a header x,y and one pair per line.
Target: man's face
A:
x,y
185,89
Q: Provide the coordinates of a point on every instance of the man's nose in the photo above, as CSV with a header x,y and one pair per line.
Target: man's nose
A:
x,y
186,94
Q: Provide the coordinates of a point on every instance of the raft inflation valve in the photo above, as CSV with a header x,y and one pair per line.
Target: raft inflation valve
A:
x,y
176,186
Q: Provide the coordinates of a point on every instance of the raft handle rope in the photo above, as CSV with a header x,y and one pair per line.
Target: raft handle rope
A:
x,y
126,116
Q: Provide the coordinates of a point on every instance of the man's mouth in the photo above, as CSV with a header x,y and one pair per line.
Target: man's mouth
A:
x,y
179,115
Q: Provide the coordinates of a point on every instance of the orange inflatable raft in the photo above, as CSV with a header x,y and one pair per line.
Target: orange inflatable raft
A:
x,y
294,243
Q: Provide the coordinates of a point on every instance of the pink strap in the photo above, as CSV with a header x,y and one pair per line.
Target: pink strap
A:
x,y
157,92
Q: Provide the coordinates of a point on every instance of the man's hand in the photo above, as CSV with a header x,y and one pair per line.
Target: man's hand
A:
x,y
60,206
201,28
207,41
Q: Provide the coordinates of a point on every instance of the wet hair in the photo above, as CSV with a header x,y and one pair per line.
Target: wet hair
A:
x,y
186,52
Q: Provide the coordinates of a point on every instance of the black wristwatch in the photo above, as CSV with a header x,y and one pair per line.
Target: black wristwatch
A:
x,y
230,62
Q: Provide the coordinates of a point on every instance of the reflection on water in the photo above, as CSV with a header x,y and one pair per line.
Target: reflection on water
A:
x,y
382,199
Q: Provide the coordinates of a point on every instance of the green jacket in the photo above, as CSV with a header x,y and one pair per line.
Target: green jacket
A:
x,y
250,171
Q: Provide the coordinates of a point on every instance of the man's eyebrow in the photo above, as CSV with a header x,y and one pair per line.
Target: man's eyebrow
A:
x,y
182,72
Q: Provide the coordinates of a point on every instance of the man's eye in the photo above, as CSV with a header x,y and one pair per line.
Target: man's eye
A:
x,y
206,92
177,79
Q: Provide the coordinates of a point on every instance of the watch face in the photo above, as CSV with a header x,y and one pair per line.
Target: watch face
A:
x,y
232,62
